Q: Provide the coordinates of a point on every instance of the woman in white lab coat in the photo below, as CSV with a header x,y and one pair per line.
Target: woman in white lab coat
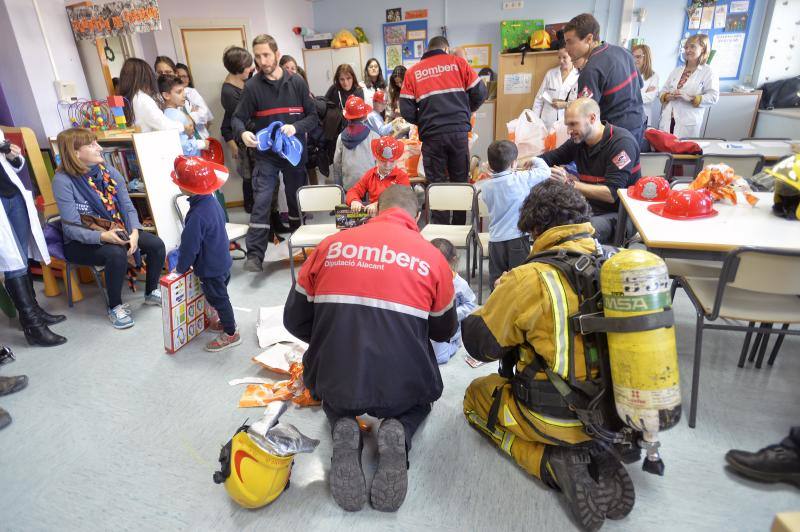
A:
x,y
644,64
21,238
689,90
551,100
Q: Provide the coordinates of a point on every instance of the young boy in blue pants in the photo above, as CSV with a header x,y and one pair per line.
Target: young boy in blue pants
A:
x,y
503,194
204,243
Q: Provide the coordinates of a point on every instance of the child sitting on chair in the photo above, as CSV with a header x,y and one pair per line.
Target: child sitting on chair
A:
x,y
375,118
385,174
204,244
172,91
503,193
353,156
464,301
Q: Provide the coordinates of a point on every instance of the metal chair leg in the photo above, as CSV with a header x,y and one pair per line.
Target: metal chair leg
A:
x,y
68,282
480,274
698,348
763,347
673,289
777,345
469,277
291,259
99,284
754,350
747,338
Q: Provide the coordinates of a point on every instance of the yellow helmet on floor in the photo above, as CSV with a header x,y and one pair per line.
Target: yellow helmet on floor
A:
x,y
253,477
787,187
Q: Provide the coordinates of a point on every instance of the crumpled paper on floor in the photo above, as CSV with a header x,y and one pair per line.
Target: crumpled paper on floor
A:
x,y
279,439
270,329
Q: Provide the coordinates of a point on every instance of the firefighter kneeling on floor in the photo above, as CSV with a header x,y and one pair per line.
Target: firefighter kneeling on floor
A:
x,y
525,324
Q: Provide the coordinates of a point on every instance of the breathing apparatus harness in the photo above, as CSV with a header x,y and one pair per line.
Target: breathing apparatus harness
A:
x,y
590,401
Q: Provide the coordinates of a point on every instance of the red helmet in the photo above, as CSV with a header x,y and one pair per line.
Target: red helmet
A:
x,y
355,108
214,152
649,188
685,205
387,149
379,96
198,175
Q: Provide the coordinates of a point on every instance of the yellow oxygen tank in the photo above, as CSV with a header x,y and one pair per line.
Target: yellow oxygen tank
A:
x,y
644,364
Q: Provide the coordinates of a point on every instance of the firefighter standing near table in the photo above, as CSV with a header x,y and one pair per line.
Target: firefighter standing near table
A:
x,y
609,76
439,95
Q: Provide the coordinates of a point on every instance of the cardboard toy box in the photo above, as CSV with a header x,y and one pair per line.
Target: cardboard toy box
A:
x,y
347,218
182,309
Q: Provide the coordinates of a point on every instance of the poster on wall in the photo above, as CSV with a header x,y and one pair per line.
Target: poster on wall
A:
x,y
478,55
114,18
707,18
727,51
404,42
394,15
519,83
720,14
416,13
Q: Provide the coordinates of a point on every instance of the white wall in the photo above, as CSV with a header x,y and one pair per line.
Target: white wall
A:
x,y
275,17
33,65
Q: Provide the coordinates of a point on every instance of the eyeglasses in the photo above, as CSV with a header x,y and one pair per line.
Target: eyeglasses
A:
x,y
638,56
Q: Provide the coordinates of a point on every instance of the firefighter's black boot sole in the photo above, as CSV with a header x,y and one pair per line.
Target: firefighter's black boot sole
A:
x,y
347,482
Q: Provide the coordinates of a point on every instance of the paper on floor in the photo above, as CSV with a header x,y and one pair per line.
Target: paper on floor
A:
x,y
270,329
279,357
249,380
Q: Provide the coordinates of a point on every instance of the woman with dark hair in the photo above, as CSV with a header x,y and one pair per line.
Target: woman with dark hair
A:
x,y
395,85
288,63
373,79
345,84
139,85
239,64
21,239
528,317
195,104
83,185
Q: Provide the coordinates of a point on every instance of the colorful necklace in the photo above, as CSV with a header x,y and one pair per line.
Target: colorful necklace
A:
x,y
109,193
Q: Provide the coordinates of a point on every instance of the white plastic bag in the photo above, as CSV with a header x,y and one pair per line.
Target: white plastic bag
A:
x,y
529,134
562,134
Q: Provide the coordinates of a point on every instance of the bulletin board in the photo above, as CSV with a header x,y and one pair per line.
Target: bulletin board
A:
x,y
404,42
727,24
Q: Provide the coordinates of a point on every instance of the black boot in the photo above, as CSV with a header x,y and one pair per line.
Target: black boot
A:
x,y
49,319
276,223
568,468
36,331
9,385
5,419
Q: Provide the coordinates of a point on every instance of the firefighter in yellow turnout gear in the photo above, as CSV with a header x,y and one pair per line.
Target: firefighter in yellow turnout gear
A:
x,y
526,318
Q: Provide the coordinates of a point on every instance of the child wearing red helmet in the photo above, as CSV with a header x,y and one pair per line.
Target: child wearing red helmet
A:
x,y
387,150
353,155
204,243
375,118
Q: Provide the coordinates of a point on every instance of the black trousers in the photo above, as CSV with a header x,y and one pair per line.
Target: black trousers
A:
x,y
507,255
115,261
411,418
605,225
216,291
265,179
446,159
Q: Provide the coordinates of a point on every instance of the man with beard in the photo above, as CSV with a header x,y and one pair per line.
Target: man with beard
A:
x,y
607,158
272,95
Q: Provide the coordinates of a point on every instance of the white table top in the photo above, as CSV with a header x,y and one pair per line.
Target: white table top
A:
x,y
770,149
735,226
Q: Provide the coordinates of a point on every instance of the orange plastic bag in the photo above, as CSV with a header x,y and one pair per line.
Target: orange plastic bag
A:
x,y
289,390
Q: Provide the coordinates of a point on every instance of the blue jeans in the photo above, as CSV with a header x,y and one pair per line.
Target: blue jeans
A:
x,y
17,213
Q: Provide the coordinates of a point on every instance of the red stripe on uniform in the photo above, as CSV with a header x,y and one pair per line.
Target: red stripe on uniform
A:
x,y
636,168
278,111
622,85
591,178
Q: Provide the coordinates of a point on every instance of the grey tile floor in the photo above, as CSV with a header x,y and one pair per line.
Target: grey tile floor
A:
x,y
114,433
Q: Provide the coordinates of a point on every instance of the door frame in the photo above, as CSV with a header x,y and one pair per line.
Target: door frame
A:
x,y
179,24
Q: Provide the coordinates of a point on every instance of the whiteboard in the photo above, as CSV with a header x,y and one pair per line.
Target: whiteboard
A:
x,y
732,117
156,152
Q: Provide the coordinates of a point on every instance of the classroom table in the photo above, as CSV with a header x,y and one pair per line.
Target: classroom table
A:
x,y
710,238
772,150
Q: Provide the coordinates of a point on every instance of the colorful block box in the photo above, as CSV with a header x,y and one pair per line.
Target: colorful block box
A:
x,y
182,308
